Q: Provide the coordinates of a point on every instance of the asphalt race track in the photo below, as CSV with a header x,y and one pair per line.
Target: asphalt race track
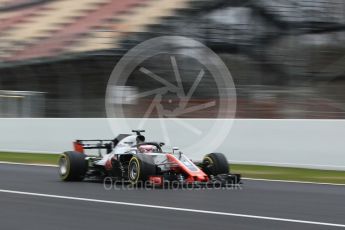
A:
x,y
33,198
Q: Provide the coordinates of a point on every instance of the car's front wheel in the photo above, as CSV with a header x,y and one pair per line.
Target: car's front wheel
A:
x,y
215,164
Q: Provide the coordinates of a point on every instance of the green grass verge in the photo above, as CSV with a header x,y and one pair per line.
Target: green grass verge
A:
x,y
40,158
287,173
251,171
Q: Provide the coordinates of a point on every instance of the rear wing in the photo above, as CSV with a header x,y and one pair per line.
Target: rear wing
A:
x,y
81,145
108,144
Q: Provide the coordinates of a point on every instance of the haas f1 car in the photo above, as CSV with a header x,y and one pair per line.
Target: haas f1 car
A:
x,y
132,159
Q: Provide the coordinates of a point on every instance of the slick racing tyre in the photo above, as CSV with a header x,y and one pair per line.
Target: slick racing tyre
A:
x,y
72,166
215,163
140,167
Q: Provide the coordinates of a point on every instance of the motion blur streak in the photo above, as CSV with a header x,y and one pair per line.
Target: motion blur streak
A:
x,y
286,56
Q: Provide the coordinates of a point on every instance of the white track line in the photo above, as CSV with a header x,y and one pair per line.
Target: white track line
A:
x,y
293,181
29,164
174,208
289,165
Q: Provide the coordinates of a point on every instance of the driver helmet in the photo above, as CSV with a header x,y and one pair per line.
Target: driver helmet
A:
x,y
147,148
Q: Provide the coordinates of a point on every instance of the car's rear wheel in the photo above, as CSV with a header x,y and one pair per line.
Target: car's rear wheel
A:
x,y
140,167
72,166
215,164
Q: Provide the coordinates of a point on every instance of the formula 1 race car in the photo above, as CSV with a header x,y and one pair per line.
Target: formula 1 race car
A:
x,y
130,158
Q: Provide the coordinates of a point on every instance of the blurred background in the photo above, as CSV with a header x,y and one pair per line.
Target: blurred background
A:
x,y
286,57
